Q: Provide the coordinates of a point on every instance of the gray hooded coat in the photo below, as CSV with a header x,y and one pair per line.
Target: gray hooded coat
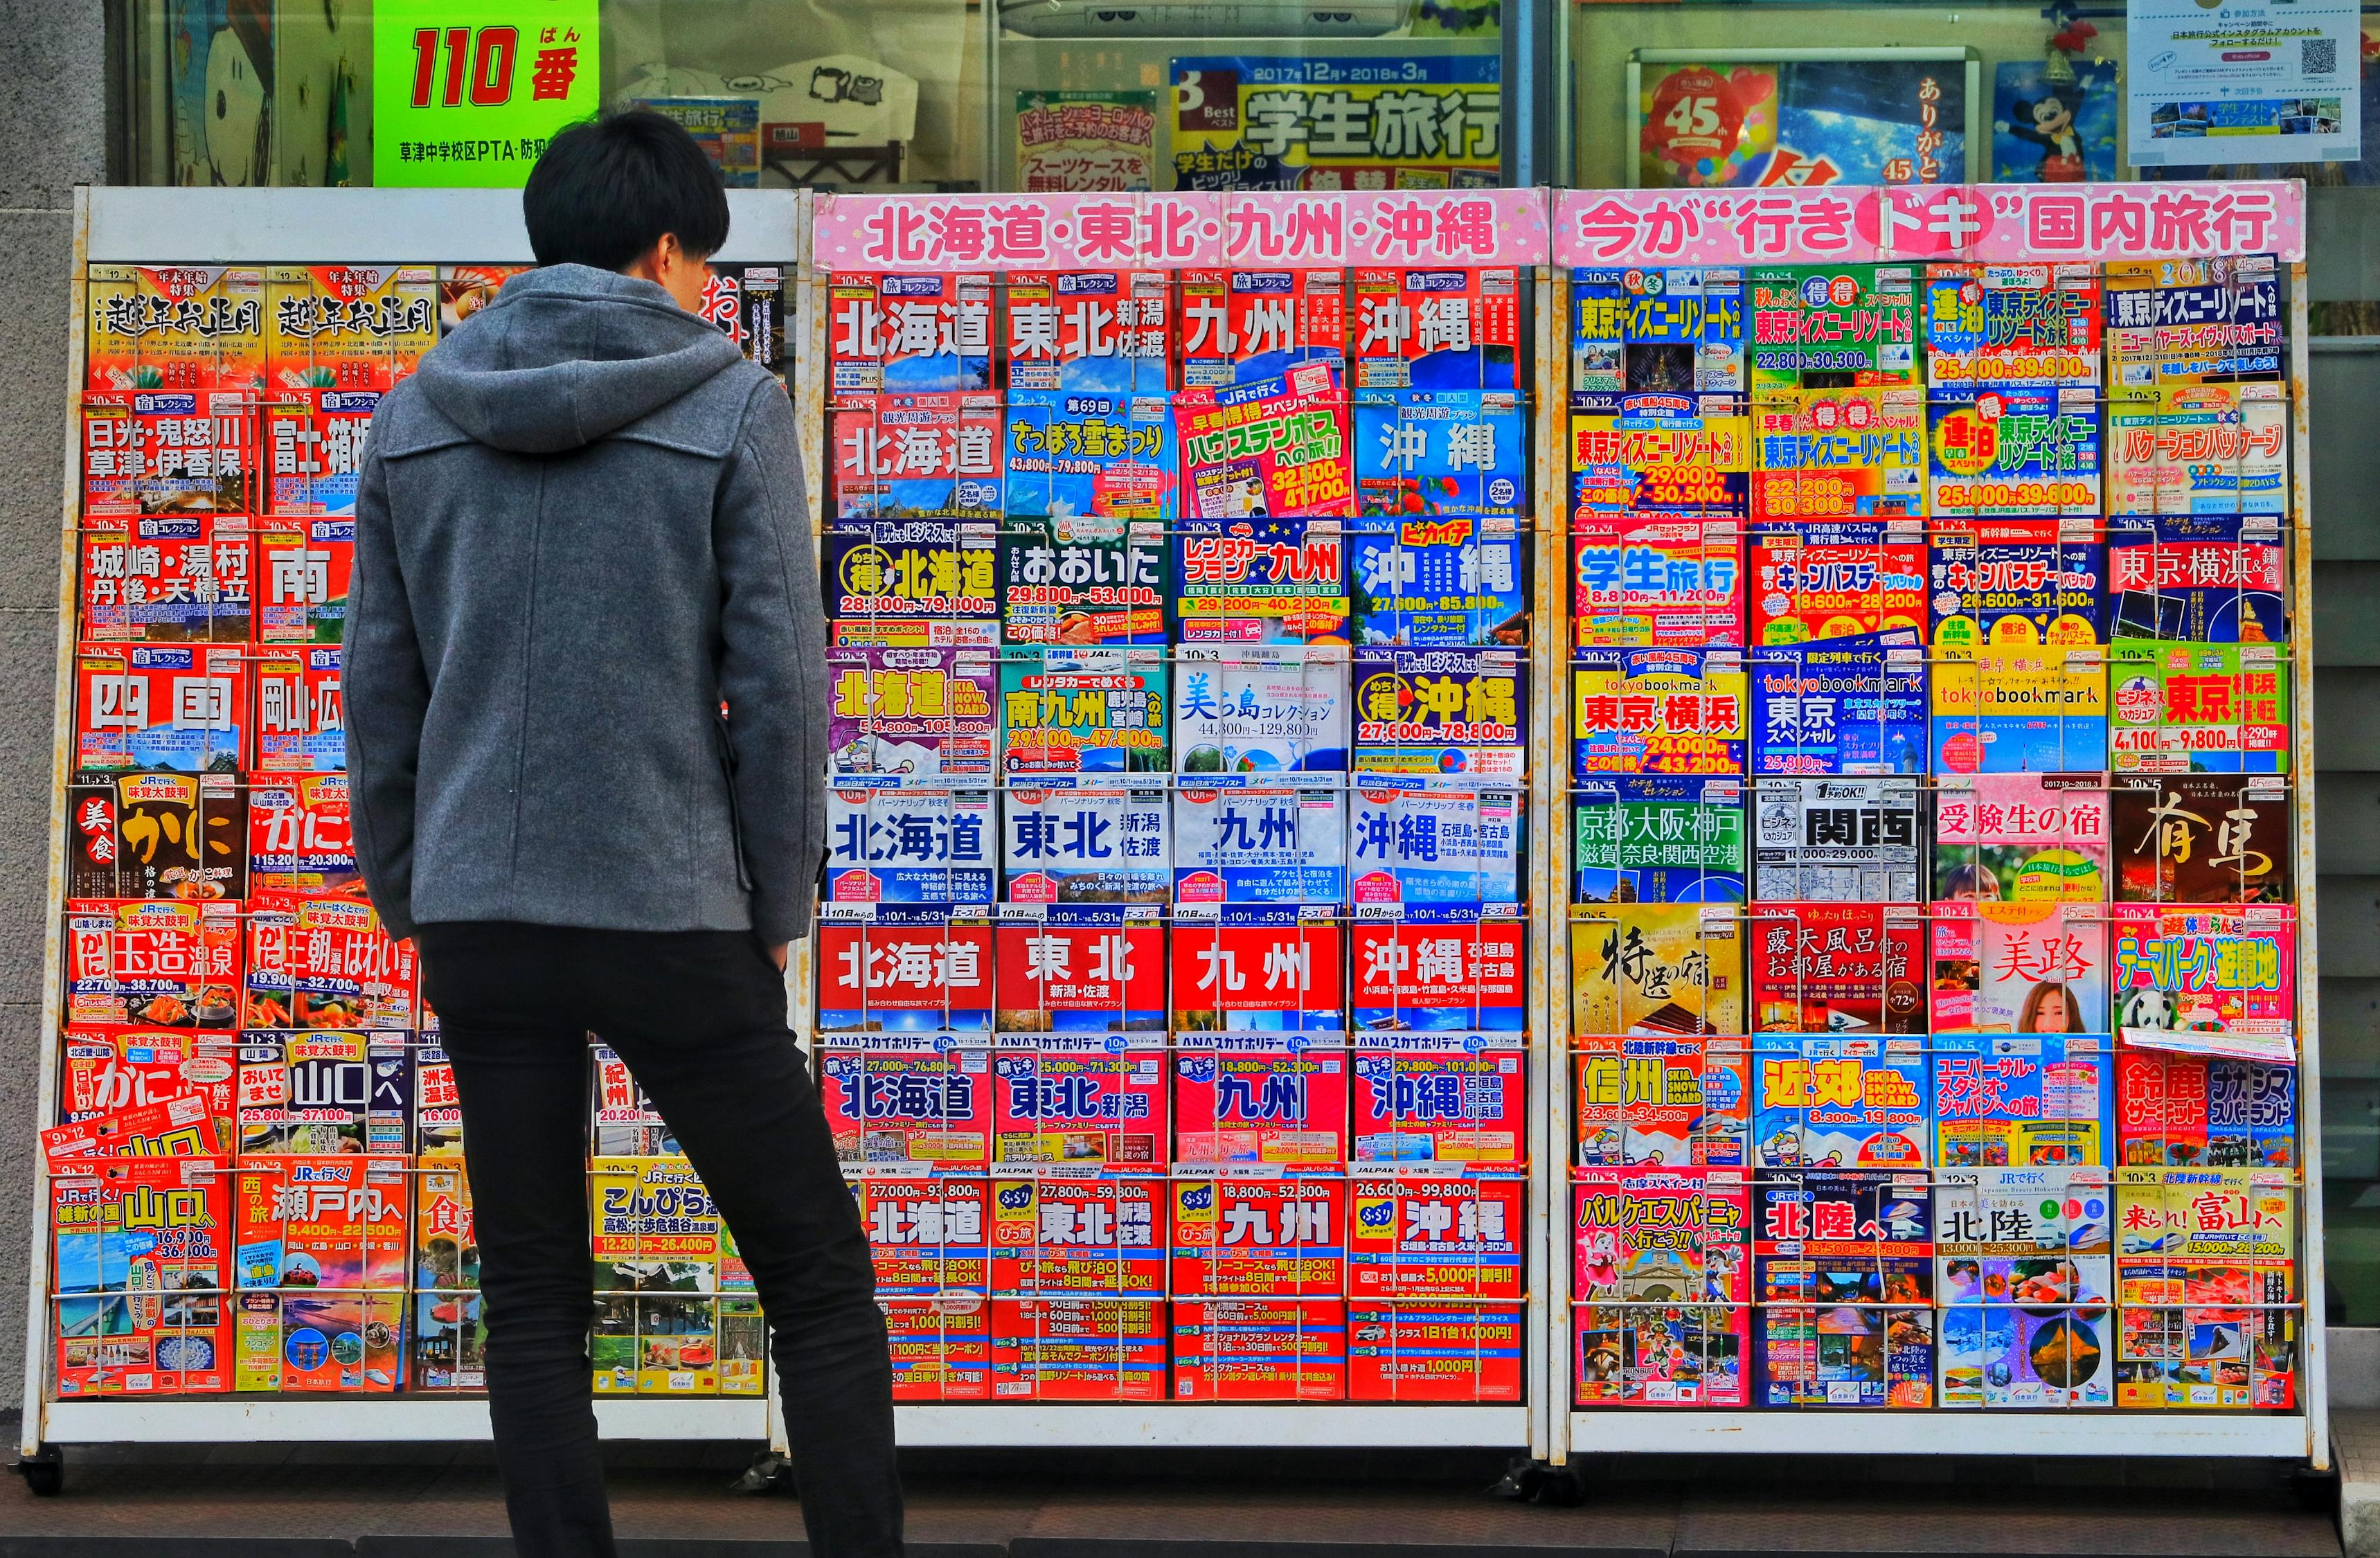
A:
x,y
580,527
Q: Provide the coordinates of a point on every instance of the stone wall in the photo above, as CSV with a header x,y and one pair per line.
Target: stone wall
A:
x,y
53,137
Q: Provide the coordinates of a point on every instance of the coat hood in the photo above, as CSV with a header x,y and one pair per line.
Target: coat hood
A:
x,y
568,355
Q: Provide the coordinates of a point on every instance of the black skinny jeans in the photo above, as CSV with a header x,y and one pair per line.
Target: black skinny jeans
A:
x,y
699,1016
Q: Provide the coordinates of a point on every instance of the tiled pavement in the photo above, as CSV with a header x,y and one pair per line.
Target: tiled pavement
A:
x,y
2355,1440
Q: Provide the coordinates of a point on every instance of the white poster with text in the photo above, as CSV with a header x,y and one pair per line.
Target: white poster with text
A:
x,y
2244,82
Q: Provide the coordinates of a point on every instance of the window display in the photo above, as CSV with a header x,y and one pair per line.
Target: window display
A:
x,y
1735,93
1744,117
1052,96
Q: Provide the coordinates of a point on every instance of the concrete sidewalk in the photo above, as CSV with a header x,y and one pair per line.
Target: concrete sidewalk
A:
x,y
2355,1447
272,1502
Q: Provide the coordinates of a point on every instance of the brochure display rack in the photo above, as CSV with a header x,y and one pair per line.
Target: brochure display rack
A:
x,y
251,1219
1940,1081
1591,820
1182,554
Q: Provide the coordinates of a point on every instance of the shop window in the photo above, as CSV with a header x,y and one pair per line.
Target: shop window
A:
x,y
869,94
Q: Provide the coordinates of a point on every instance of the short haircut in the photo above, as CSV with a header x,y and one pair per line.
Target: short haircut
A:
x,y
608,188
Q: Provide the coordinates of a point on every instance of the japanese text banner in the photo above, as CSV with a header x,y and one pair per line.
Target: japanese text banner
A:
x,y
1018,231
2007,224
1082,231
1996,223
1400,228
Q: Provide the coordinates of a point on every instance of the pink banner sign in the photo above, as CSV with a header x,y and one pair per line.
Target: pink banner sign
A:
x,y
1014,232
1400,228
2005,224
1836,224
1286,229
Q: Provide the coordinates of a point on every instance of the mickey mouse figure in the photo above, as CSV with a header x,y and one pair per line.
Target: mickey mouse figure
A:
x,y
2052,129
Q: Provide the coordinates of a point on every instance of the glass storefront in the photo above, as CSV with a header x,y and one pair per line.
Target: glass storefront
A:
x,y
1817,93
916,94
951,95
283,93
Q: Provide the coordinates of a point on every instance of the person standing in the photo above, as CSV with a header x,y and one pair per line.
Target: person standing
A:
x,y
587,718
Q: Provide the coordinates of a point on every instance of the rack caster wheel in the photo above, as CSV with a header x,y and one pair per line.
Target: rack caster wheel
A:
x,y
1565,1487
45,1472
769,1473
1532,1481
2315,1491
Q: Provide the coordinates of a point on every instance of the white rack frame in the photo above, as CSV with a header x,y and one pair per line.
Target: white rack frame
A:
x,y
1313,1425
2301,1434
483,226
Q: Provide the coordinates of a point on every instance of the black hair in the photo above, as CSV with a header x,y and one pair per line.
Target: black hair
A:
x,y
607,189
